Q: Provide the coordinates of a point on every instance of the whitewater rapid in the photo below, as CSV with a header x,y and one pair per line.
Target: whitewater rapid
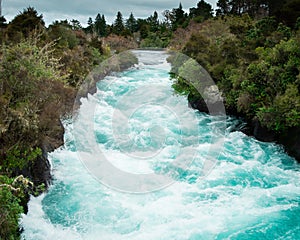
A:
x,y
252,192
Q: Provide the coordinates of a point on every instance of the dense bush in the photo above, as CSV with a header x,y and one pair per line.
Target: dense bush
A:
x,y
40,70
10,211
28,73
154,41
255,63
33,93
14,194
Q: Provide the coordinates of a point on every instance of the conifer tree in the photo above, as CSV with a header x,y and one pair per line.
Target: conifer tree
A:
x,y
118,26
131,23
103,31
153,22
90,27
100,25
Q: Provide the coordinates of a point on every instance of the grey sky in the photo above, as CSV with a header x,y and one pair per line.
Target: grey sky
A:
x,y
83,9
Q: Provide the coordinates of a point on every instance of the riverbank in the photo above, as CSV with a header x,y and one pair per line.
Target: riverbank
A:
x,y
290,139
255,65
252,183
41,74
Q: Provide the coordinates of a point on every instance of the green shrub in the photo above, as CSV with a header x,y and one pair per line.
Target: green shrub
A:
x,y
284,112
10,211
18,158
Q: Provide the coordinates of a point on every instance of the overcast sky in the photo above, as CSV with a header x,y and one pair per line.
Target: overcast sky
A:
x,y
83,9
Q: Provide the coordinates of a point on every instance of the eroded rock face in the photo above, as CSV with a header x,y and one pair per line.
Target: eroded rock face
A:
x,y
197,103
41,173
39,170
55,138
261,133
291,141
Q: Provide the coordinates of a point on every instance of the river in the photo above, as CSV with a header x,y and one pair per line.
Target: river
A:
x,y
148,135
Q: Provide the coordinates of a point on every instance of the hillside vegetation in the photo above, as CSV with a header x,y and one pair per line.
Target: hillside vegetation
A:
x,y
40,71
255,64
251,49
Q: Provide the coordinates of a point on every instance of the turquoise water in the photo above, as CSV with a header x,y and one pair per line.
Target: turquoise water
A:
x,y
141,127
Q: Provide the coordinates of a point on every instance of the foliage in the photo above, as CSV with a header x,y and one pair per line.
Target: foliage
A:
x,y
284,112
255,63
203,11
131,23
14,194
100,26
273,81
77,53
28,72
2,22
10,211
181,36
39,69
154,41
18,158
25,68
120,43
176,17
237,7
118,26
284,11
253,58
63,34
75,24
25,23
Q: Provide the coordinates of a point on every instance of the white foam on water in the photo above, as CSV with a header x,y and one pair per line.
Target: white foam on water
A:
x,y
253,190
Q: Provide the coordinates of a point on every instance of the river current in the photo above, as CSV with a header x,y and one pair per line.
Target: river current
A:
x,y
142,127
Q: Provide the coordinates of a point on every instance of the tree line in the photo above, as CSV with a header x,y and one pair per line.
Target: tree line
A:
x,y
151,31
285,11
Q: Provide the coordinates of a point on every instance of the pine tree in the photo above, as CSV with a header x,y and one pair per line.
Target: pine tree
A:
x,y
118,26
103,30
131,24
153,22
90,27
176,17
275,6
238,7
100,25
179,13
288,12
2,22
